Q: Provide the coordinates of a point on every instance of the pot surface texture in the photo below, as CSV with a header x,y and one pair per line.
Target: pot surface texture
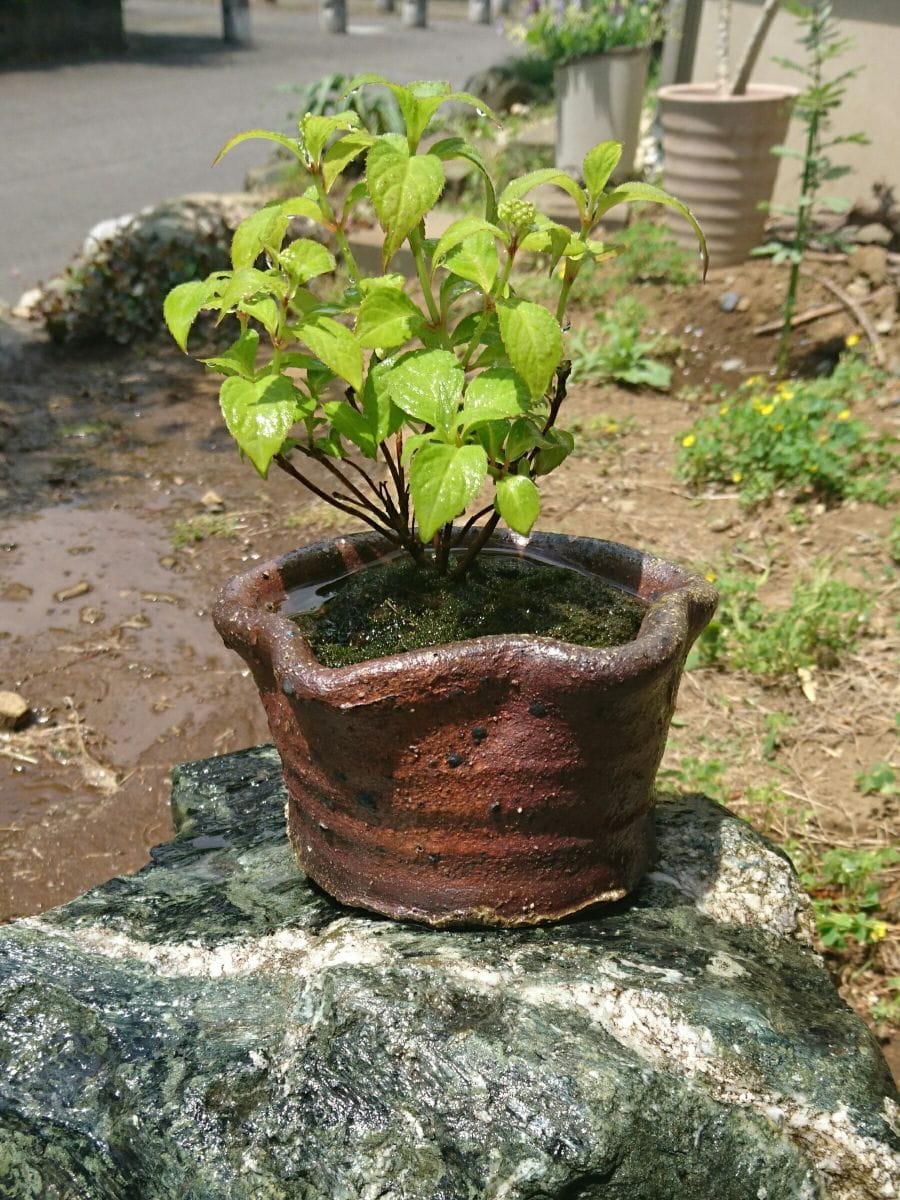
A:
x,y
718,160
505,780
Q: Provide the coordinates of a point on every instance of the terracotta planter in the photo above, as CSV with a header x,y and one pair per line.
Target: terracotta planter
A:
x,y
718,160
599,99
505,780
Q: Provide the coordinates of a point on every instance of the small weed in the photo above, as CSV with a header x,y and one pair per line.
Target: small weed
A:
x,y
887,1009
196,529
879,780
894,539
845,886
622,354
647,253
801,437
823,621
695,774
317,518
776,723
597,436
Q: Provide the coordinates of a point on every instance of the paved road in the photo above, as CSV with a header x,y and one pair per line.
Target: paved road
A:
x,y
85,141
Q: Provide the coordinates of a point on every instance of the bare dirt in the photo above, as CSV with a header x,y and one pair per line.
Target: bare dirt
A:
x,y
105,454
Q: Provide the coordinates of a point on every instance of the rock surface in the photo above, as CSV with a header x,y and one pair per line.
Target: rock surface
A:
x,y
215,1027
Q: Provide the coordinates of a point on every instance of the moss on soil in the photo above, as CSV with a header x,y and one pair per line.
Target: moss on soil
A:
x,y
397,606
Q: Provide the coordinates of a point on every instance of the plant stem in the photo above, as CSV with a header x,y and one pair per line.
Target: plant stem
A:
x,y
754,46
418,250
334,501
325,204
477,546
723,46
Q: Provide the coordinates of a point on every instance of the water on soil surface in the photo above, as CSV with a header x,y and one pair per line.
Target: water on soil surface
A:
x,y
397,606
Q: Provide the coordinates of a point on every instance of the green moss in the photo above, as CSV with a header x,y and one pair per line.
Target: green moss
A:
x,y
397,606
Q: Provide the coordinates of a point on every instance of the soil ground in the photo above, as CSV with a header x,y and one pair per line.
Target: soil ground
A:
x,y
108,459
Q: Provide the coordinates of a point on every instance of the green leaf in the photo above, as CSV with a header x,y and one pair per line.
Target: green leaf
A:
x,y
339,156
259,415
239,358
492,435
387,318
303,206
265,311
402,188
523,437
476,260
315,131
550,239
427,385
263,230
647,372
646,193
382,414
599,163
352,425
518,502
549,459
305,259
442,481
492,396
460,231
335,345
182,306
246,284
527,183
289,143
533,342
457,147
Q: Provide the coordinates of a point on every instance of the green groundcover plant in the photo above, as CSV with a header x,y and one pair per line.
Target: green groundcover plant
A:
x,y
561,33
414,401
801,436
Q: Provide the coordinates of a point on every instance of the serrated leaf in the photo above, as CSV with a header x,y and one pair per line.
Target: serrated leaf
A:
x,y
402,187
239,358
262,230
267,135
303,206
599,163
442,481
387,318
646,193
259,416
524,436
352,425
457,147
247,283
459,232
518,502
549,459
476,260
335,345
306,259
265,311
492,396
533,342
315,131
427,385
182,306
339,156
380,411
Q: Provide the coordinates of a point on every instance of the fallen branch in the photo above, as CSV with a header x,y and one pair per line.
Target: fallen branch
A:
x,y
854,307
825,310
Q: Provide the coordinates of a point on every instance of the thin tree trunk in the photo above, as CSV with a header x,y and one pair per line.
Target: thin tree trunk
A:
x,y
754,46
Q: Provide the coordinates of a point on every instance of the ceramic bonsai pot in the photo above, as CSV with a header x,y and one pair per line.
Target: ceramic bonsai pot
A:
x,y
506,780
599,98
717,152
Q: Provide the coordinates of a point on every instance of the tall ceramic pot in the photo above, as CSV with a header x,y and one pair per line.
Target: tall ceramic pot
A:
x,y
717,152
599,99
505,780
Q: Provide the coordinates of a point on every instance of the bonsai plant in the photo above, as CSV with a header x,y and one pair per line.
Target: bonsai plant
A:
x,y
468,781
601,55
717,140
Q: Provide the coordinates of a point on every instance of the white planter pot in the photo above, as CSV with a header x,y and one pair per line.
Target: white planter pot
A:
x,y
599,99
718,160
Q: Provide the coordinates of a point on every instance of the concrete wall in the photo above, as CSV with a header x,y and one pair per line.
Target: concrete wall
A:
x,y
37,30
873,97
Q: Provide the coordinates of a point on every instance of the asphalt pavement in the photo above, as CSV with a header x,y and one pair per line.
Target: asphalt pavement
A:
x,y
85,141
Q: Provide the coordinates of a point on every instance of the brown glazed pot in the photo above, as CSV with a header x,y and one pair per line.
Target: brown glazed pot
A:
x,y
505,780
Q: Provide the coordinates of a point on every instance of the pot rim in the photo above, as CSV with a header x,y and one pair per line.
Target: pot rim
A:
x,y
679,605
599,55
708,93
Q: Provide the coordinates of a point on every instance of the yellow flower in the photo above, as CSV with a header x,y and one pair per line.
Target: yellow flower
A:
x,y
767,409
844,414
724,410
736,477
755,381
779,426
688,440
710,577
851,340
813,469
785,393
878,931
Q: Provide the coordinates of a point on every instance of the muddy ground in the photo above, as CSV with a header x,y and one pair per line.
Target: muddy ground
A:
x,y
112,460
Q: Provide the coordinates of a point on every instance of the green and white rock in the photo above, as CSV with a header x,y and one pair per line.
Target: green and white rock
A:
x,y
215,1028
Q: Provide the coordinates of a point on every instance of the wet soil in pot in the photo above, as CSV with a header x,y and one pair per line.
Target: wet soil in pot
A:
x,y
397,606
